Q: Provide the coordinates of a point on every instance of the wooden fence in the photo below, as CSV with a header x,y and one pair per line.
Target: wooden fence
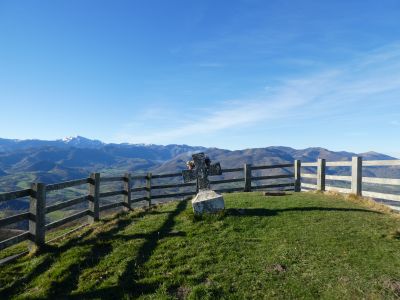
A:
x,y
356,178
38,193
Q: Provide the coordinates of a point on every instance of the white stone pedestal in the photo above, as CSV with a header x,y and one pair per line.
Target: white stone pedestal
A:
x,y
208,201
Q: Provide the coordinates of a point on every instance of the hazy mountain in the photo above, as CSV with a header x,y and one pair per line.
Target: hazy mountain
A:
x,y
268,155
37,156
81,142
78,141
70,158
23,162
375,156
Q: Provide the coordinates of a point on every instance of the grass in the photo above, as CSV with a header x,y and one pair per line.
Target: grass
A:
x,y
302,245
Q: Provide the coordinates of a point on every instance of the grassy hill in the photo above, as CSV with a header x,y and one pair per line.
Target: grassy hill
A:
x,y
302,245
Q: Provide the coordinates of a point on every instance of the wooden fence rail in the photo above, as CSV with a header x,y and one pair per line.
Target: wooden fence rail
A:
x,y
150,191
356,178
38,194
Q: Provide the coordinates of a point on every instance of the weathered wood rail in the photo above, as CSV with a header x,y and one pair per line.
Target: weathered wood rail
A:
x,y
38,194
356,178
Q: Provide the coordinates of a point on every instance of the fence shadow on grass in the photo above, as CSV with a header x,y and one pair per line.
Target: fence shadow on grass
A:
x,y
128,281
99,246
263,212
50,257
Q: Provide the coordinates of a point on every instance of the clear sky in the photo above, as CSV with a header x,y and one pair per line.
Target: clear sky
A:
x,y
230,74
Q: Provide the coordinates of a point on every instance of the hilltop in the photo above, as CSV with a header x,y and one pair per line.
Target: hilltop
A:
x,y
302,245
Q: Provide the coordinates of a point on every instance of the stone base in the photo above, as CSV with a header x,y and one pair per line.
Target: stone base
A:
x,y
208,201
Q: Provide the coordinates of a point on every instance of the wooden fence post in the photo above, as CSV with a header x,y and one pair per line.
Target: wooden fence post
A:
x,y
247,177
148,188
321,174
297,175
37,209
127,190
94,199
356,175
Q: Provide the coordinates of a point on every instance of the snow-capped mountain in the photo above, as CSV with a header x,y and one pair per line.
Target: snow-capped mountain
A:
x,y
81,142
7,145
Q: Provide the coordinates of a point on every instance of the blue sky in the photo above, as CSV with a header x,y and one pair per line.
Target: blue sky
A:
x,y
228,74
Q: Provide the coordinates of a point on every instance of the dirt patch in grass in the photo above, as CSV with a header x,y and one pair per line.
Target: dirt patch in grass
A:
x,y
277,268
182,292
395,234
394,286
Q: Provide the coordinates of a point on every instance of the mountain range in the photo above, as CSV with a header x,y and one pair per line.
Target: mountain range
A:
x,y
75,157
26,161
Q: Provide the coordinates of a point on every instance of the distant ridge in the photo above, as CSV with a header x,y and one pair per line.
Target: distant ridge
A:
x,y
371,155
81,142
78,141
73,157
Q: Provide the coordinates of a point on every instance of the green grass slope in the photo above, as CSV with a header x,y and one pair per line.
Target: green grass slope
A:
x,y
302,245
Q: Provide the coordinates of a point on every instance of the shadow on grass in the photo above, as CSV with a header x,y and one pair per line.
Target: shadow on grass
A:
x,y
263,212
128,281
50,257
100,246
128,237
